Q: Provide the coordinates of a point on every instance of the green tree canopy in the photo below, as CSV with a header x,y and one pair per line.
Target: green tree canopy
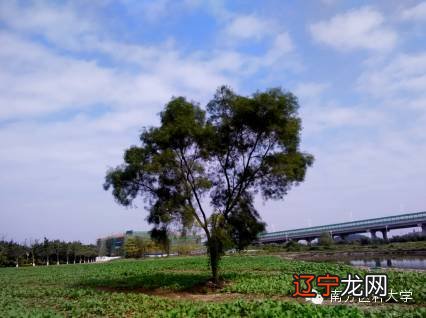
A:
x,y
131,248
206,166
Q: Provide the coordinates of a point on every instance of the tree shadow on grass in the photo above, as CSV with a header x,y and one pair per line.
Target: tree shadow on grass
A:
x,y
147,282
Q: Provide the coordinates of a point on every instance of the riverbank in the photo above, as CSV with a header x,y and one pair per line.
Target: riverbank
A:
x,y
376,248
391,260
408,256
405,256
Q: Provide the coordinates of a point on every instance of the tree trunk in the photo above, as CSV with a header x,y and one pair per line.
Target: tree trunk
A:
x,y
214,262
214,257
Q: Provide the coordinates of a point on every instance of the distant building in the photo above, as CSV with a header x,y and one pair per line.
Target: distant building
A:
x,y
113,245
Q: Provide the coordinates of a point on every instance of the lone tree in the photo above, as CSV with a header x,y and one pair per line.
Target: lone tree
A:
x,y
206,166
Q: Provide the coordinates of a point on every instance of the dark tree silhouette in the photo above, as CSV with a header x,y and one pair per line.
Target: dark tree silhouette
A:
x,y
206,166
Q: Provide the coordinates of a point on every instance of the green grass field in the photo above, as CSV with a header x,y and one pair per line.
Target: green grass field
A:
x,y
257,286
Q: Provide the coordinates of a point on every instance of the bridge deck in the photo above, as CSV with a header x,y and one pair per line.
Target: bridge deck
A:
x,y
389,222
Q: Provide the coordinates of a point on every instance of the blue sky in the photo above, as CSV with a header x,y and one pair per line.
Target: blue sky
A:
x,y
79,79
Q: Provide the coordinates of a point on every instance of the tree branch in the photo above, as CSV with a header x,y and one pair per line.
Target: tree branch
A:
x,y
194,191
243,184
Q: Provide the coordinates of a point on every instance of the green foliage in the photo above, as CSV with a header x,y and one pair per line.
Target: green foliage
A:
x,y
116,290
325,239
132,248
11,253
161,238
293,246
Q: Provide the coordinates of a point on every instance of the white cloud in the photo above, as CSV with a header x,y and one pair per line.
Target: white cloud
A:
x,y
405,73
41,81
340,116
417,12
362,28
57,23
35,81
281,46
251,27
320,114
319,118
278,46
248,27
283,43
310,90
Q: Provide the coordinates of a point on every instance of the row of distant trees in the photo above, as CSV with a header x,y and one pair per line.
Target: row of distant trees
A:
x,y
45,252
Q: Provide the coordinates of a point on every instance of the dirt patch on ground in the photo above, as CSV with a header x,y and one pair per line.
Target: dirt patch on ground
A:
x,y
202,292
244,271
185,271
210,297
205,291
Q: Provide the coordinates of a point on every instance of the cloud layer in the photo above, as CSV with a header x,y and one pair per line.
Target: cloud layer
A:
x,y
78,82
362,28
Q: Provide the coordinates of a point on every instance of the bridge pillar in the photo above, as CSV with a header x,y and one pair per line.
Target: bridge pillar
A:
x,y
385,234
373,234
424,228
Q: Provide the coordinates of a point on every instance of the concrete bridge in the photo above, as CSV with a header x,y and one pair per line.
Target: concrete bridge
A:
x,y
342,230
